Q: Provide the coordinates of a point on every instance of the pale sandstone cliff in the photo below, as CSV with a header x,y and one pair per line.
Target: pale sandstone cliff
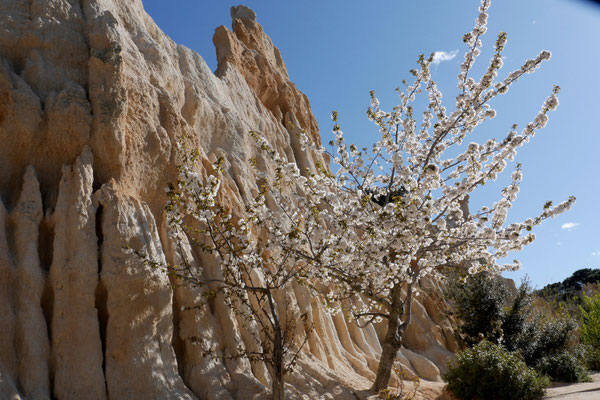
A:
x,y
94,99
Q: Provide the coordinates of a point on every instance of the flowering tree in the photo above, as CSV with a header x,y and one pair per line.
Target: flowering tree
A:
x,y
399,211
256,275
365,235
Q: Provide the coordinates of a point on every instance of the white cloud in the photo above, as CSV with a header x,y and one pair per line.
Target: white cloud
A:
x,y
569,225
596,253
440,56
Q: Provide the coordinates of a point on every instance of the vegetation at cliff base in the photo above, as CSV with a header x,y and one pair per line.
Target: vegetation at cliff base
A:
x,y
590,329
489,371
493,313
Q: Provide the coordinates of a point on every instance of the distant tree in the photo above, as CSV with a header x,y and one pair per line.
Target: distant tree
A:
x,y
580,278
570,289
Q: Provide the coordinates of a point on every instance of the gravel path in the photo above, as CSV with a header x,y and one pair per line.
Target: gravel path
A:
x,y
576,391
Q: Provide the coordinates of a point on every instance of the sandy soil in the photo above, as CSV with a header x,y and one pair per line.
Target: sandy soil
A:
x,y
576,391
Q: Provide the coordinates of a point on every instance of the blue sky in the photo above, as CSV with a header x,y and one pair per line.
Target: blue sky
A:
x,y
336,51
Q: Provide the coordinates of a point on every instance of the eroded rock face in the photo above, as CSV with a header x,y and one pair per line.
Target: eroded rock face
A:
x,y
94,102
31,331
73,280
139,306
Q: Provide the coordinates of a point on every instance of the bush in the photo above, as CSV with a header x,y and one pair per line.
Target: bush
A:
x,y
590,329
563,367
514,321
592,358
488,371
542,339
479,302
487,312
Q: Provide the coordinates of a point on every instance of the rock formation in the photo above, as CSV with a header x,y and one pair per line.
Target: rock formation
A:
x,y
94,103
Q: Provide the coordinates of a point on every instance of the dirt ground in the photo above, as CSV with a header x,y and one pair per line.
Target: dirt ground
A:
x,y
576,391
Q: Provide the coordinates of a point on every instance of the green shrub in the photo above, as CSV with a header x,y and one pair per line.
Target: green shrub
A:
x,y
479,300
592,358
563,367
488,371
514,321
545,338
487,312
590,329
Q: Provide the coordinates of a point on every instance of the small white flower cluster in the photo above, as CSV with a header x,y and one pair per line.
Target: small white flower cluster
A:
x,y
260,253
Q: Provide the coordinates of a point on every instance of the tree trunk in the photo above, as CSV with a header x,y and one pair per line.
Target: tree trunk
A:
x,y
277,384
393,337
